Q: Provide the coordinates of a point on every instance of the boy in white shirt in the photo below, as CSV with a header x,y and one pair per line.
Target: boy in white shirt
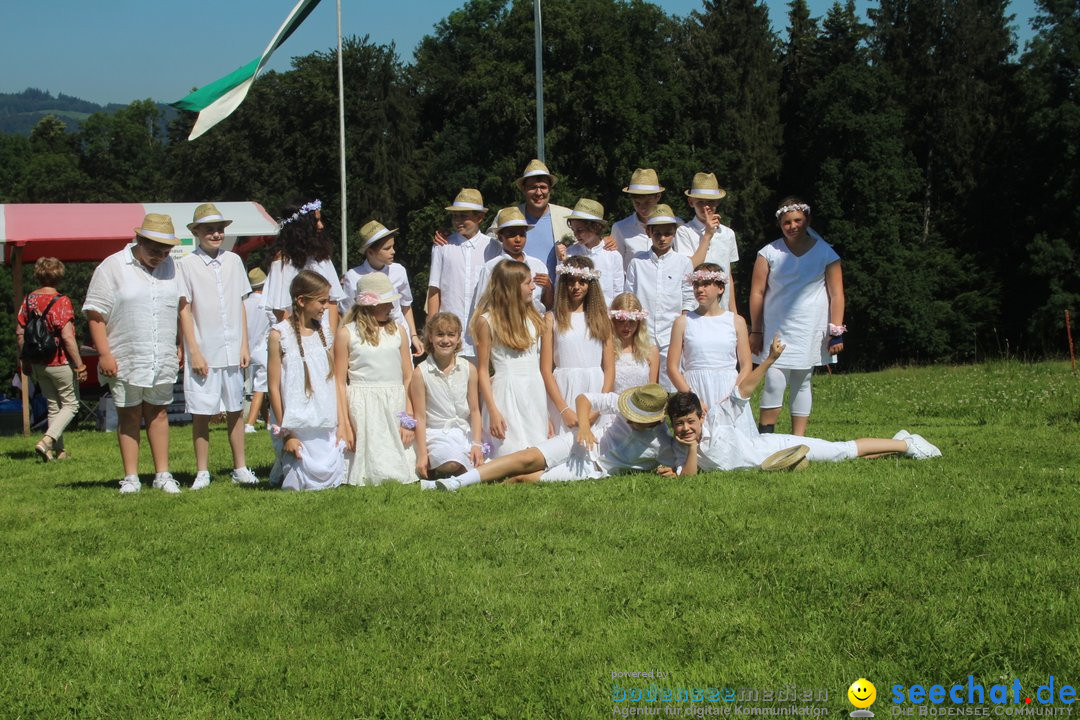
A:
x,y
587,222
456,265
213,284
705,239
658,279
259,320
377,244
630,234
512,229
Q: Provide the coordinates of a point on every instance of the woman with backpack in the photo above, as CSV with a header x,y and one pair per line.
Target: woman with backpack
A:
x,y
46,340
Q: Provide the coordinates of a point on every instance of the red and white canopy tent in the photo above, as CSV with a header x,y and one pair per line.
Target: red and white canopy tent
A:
x,y
90,232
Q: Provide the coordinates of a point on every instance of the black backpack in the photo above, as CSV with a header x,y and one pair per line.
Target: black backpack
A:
x,y
39,343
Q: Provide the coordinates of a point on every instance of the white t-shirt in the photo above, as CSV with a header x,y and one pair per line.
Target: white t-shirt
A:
x,y
399,278
276,290
535,264
722,248
215,288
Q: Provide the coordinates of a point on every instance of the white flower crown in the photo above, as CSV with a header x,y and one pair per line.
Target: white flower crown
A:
x,y
800,207
581,272
706,276
638,315
304,210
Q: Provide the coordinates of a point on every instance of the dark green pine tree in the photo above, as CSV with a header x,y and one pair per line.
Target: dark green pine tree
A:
x,y
800,71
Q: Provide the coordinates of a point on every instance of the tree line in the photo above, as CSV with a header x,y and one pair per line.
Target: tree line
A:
x,y
939,158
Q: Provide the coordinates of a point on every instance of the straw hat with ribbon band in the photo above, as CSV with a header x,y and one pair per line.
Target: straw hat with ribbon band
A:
x,y
643,404
205,214
535,168
375,289
705,187
372,232
468,200
793,458
643,182
511,217
256,278
159,228
587,209
662,215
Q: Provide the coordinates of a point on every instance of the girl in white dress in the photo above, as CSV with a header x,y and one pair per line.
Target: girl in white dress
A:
x,y
445,397
797,293
507,330
372,351
710,348
300,380
637,360
577,354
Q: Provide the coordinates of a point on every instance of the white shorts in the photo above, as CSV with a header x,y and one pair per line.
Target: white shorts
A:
x,y
126,395
445,446
566,460
220,390
258,377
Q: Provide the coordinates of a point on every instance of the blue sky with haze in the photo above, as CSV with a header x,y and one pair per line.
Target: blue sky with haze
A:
x,y
125,50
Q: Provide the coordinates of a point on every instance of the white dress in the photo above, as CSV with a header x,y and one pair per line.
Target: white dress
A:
x,y
579,366
449,435
797,304
311,418
710,366
376,395
520,396
630,372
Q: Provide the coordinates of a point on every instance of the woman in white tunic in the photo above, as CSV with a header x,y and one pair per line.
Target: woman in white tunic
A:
x,y
797,293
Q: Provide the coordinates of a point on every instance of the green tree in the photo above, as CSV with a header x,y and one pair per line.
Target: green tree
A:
x,y
124,152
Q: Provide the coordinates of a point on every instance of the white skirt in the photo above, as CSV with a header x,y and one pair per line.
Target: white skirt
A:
x,y
321,464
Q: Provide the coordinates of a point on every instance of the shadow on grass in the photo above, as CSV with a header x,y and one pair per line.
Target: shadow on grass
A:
x,y
28,454
111,484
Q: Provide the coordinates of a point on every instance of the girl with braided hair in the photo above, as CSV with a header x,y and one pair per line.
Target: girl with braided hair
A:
x,y
300,379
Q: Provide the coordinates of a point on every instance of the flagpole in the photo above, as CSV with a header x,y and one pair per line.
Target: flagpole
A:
x,y
538,42
341,149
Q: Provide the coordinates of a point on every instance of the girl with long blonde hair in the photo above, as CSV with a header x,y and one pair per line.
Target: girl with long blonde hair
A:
x,y
637,359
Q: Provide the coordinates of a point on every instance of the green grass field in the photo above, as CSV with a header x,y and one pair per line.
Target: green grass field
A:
x,y
522,601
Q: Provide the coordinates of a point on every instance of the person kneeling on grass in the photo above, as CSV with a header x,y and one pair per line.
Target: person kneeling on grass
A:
x,y
636,441
704,444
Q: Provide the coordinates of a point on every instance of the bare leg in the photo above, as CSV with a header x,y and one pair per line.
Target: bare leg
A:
x,y
200,436
880,447
531,478
157,432
798,423
769,416
236,438
127,436
256,406
522,462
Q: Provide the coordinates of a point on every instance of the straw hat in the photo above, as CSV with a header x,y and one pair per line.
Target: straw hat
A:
x,y
534,168
643,182
159,228
705,187
468,200
510,217
793,458
256,278
662,215
372,232
375,289
644,403
205,214
587,209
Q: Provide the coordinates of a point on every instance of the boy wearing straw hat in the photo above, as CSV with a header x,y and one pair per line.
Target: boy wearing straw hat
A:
x,y
512,229
259,320
658,279
636,441
705,239
630,234
377,244
457,264
131,305
587,223
213,284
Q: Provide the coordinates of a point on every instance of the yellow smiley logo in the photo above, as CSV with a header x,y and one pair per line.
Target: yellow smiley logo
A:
x,y
862,693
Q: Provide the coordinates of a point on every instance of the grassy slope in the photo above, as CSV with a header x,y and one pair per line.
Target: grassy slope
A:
x,y
521,601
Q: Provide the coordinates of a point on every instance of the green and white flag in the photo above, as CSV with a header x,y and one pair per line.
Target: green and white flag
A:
x,y
216,101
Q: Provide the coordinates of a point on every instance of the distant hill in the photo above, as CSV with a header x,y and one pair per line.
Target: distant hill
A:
x,y
20,112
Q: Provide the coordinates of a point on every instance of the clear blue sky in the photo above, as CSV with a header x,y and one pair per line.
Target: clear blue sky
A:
x,y
124,50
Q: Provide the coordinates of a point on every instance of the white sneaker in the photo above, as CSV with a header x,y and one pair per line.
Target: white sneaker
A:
x,y
449,484
165,482
250,429
902,435
130,484
202,479
244,476
428,485
920,449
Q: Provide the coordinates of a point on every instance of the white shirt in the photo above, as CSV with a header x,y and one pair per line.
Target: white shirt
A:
x,y
447,395
276,290
399,278
215,288
537,265
259,321
660,284
631,237
722,248
140,311
609,263
455,271
622,448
